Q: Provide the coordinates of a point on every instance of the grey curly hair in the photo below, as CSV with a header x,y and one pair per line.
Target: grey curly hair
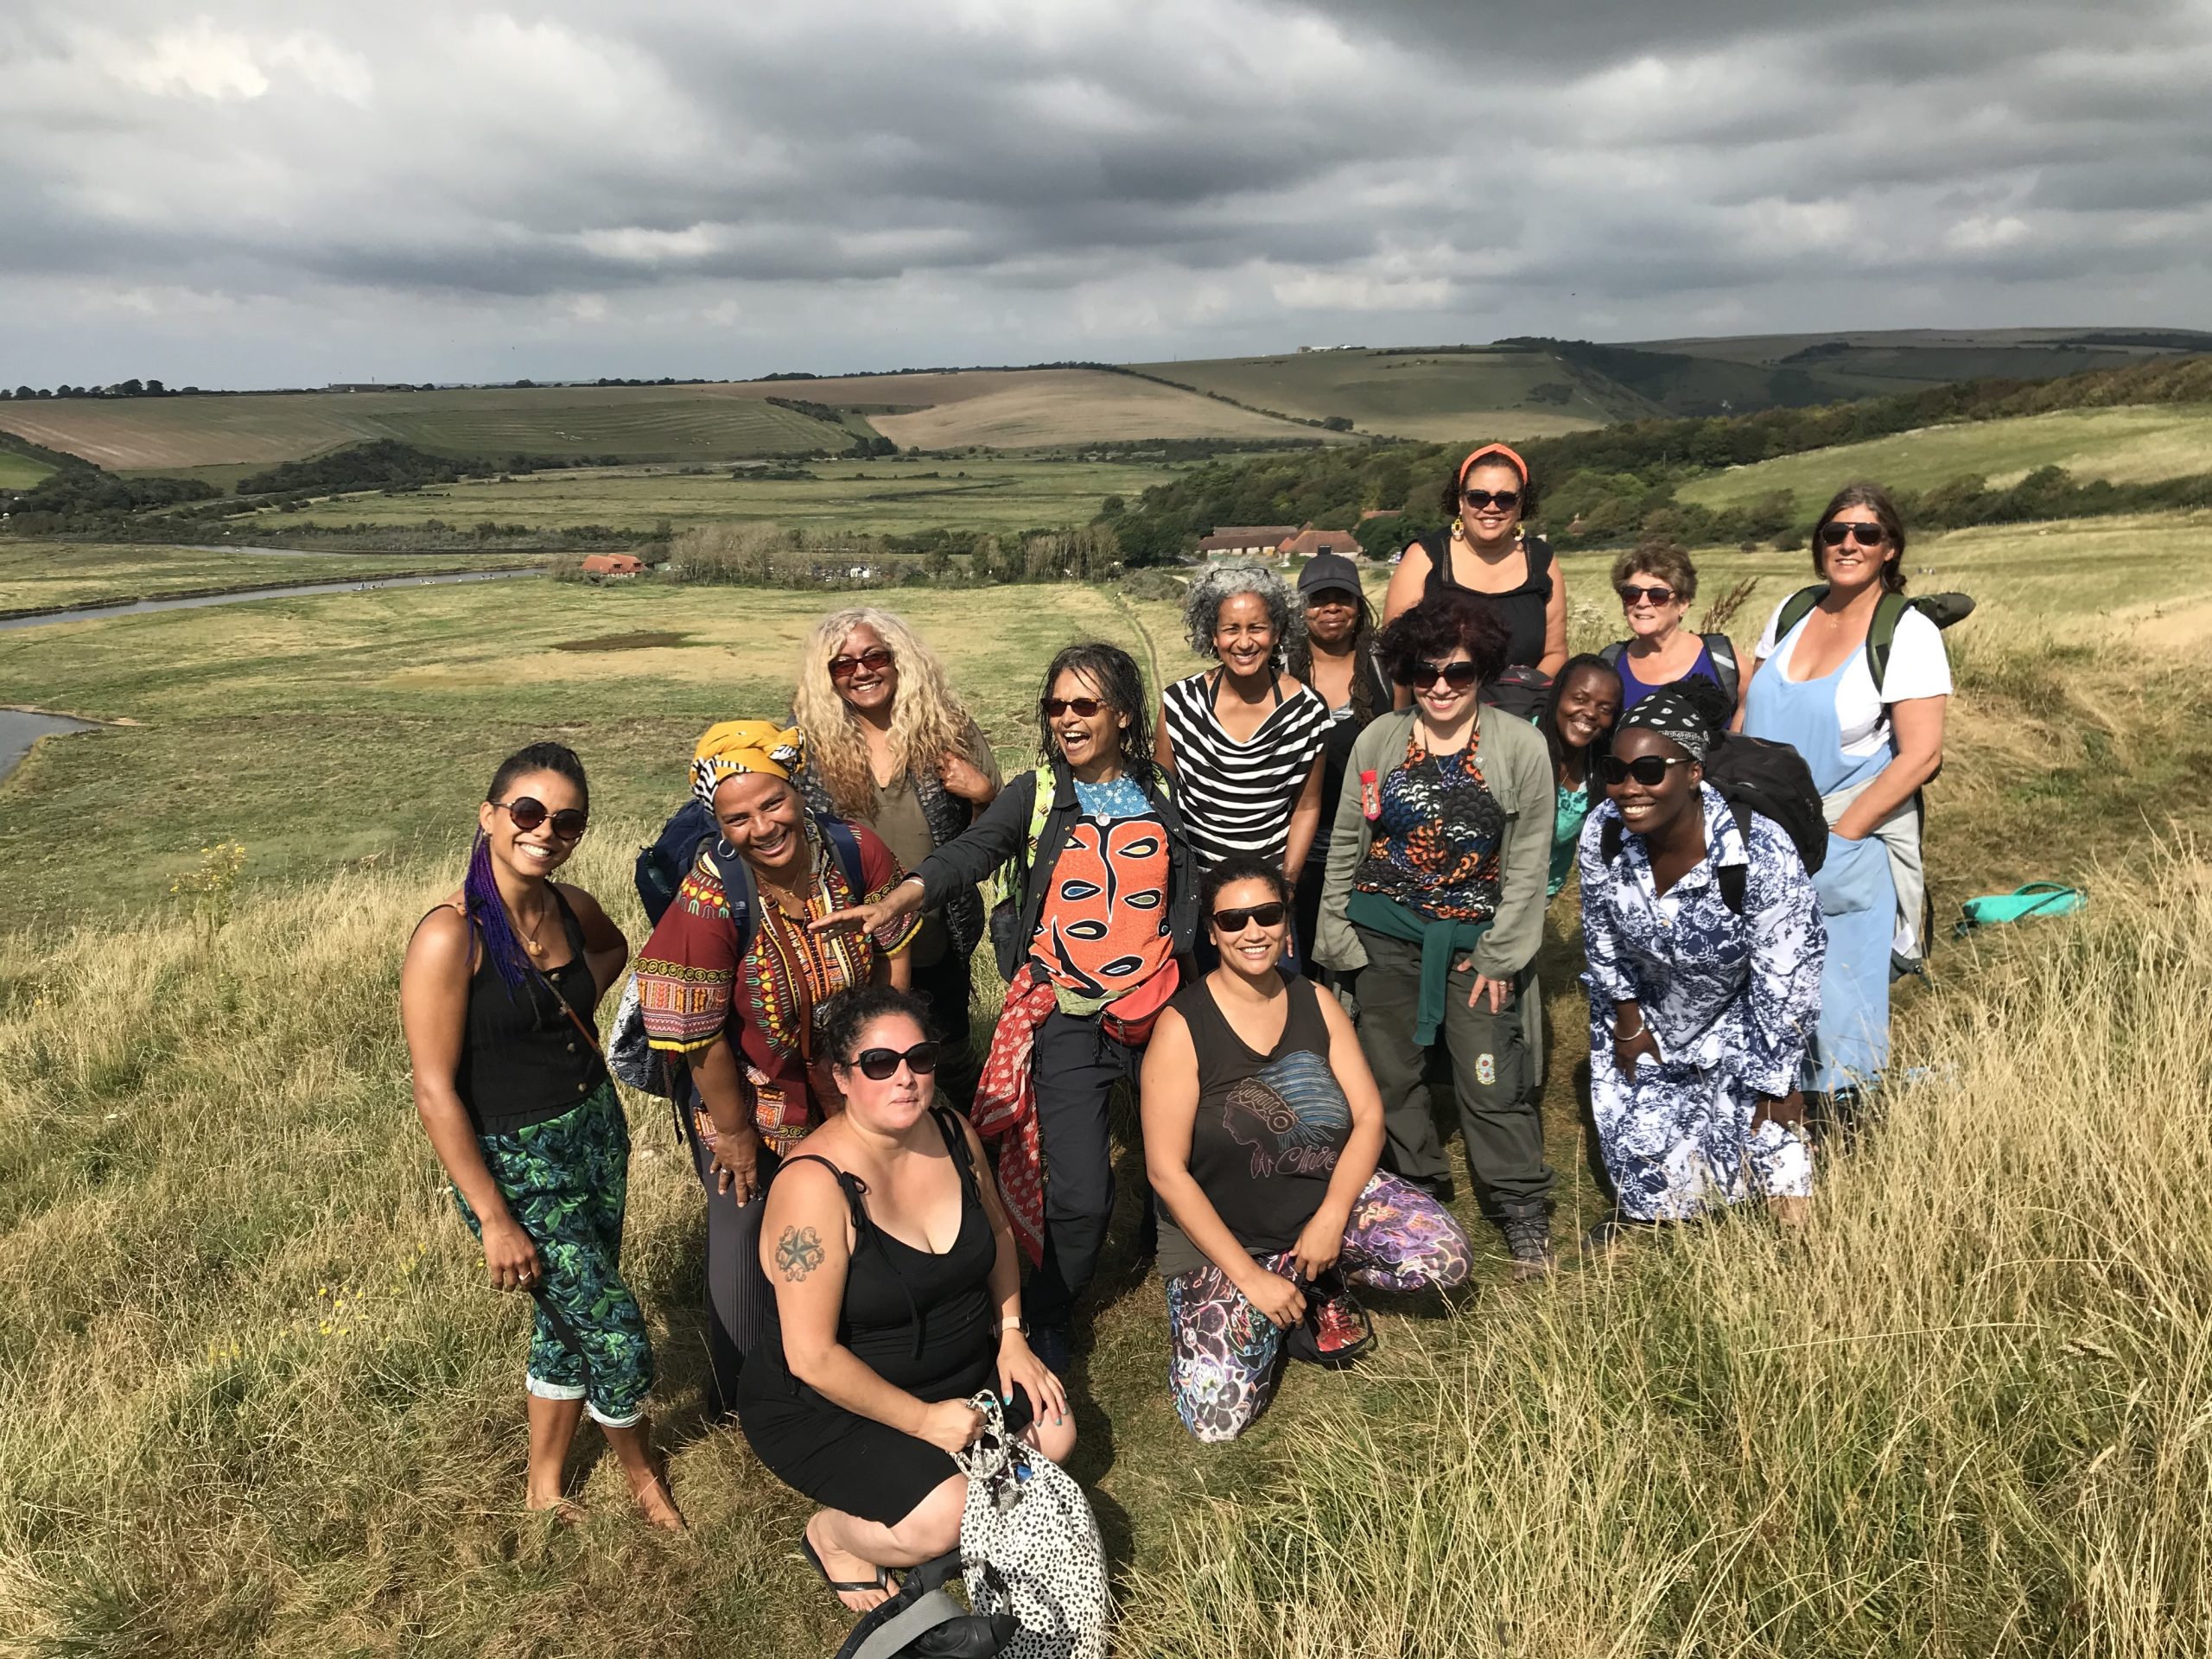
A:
x,y
1218,583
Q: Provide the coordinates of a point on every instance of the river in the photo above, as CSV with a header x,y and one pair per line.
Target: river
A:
x,y
19,729
142,607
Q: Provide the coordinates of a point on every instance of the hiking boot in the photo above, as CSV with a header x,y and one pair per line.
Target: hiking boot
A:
x,y
1055,1345
1528,1238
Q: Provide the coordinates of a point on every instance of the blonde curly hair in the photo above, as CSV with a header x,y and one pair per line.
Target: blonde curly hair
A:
x,y
927,719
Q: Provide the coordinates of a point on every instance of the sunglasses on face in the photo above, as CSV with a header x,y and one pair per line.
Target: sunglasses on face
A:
x,y
1631,594
1835,534
1505,500
875,659
1081,708
1458,676
1268,915
1650,769
529,812
880,1064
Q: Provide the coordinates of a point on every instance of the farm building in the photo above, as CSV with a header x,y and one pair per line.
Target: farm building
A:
x,y
1247,541
604,565
1309,541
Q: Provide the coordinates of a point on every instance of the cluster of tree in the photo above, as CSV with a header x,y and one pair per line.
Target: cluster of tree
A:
x,y
78,499
120,389
389,465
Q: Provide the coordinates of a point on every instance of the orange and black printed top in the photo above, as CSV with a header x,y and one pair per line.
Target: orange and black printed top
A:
x,y
1104,927
1436,840
692,988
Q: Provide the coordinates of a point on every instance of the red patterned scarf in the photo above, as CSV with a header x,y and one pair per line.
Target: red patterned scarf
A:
x,y
1006,1097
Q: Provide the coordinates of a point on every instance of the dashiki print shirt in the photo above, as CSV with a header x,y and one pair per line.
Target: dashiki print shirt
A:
x,y
692,988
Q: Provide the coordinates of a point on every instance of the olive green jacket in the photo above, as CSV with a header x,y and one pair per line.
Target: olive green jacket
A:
x,y
1517,764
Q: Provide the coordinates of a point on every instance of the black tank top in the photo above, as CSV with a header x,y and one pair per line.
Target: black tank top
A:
x,y
1268,1128
521,1059
921,1321
1521,609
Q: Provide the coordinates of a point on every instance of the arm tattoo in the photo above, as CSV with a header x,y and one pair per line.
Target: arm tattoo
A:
x,y
798,1252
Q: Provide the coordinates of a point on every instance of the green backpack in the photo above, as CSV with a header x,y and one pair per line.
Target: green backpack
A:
x,y
1941,609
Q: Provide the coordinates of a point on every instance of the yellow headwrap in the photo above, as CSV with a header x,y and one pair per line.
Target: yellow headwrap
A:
x,y
742,746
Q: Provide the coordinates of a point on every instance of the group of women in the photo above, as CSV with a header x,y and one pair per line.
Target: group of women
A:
x,y
1263,899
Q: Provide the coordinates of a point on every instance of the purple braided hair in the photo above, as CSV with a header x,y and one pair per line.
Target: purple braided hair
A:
x,y
489,912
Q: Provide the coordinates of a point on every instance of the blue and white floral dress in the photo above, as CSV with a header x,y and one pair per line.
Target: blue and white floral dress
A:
x,y
1733,1001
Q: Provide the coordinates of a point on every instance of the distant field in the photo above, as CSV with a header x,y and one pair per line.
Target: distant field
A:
x,y
881,497
673,422
2125,445
33,577
1437,396
714,423
20,471
1878,363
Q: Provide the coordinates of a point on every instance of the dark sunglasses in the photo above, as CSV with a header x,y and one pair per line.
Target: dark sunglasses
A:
x,y
875,659
1631,594
1650,769
1506,500
1458,676
880,1064
1268,915
1865,535
529,812
1081,708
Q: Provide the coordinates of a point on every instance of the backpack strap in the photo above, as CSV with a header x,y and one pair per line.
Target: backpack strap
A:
x,y
1881,634
1733,878
1612,654
1609,840
1722,650
845,847
736,876
1794,609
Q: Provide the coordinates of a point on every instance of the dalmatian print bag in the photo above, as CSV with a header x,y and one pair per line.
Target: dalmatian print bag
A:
x,y
1031,1545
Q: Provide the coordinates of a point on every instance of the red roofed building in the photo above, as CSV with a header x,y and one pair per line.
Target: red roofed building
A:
x,y
613,564
1310,542
1246,541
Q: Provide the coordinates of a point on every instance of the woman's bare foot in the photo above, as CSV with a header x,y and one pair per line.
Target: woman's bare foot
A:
x,y
564,1509
840,1568
655,1502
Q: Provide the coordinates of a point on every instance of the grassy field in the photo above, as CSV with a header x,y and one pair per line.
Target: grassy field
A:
x,y
880,496
649,423
33,577
20,472
2127,445
256,1399
701,423
1437,396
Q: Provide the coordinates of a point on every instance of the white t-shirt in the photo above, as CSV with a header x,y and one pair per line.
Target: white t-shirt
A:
x,y
1917,668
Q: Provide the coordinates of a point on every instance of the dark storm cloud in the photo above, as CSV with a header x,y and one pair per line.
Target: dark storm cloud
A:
x,y
677,185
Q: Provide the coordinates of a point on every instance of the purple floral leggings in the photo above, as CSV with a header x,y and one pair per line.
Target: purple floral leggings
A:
x,y
1222,1367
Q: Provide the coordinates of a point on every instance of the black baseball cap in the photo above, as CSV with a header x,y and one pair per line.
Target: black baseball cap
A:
x,y
1328,570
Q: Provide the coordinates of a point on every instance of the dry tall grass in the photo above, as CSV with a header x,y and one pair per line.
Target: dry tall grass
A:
x,y
1969,1413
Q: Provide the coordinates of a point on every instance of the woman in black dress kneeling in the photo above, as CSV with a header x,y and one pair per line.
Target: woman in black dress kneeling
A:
x,y
898,1296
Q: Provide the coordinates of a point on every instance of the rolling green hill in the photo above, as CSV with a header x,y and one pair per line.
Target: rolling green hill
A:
x,y
20,471
2126,445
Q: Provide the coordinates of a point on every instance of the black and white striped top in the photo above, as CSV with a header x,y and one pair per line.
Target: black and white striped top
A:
x,y
1237,797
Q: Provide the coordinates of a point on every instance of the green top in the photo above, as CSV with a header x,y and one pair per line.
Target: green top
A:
x,y
1574,807
1516,768
1439,942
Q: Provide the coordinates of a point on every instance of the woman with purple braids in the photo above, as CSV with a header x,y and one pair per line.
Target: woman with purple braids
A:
x,y
497,996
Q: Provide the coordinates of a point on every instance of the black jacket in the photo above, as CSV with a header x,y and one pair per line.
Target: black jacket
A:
x,y
1002,832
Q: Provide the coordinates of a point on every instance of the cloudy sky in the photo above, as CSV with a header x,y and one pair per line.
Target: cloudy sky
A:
x,y
266,192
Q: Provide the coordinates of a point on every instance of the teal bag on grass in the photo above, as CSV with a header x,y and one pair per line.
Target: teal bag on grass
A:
x,y
2036,898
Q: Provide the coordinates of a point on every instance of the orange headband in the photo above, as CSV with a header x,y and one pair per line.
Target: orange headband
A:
x,y
1485,452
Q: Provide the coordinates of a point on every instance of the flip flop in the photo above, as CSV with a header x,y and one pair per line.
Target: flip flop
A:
x,y
880,1581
